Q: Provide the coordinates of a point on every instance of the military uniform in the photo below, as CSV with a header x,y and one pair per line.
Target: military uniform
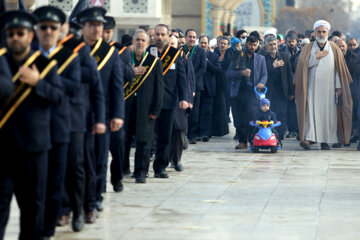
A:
x,y
25,137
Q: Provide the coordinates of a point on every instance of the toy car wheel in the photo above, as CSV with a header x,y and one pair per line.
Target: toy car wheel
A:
x,y
274,149
256,149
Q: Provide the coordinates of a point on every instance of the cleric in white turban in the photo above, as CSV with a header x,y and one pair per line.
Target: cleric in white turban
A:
x,y
322,23
321,84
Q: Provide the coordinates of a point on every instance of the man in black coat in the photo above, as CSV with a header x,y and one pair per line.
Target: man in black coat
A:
x,y
110,68
144,97
25,134
198,58
279,83
117,140
175,94
88,112
213,71
62,138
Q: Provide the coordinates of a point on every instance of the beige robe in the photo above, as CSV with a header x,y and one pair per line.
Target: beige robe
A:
x,y
321,119
305,79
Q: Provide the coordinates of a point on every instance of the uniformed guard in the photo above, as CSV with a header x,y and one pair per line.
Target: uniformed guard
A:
x,y
25,126
67,142
143,98
175,95
89,115
110,68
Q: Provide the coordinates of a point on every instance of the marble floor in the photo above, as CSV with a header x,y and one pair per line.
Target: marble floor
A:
x,y
228,194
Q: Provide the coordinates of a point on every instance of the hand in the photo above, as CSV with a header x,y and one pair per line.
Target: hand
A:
x,y
246,72
153,117
99,128
138,70
116,124
278,63
191,105
183,105
260,85
291,97
338,92
221,58
321,54
30,76
194,94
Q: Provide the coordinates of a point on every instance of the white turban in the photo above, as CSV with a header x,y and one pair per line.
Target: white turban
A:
x,y
322,23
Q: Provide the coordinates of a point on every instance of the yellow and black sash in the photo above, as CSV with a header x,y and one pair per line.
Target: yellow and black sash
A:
x,y
63,56
148,62
2,51
168,58
119,46
22,90
102,52
72,43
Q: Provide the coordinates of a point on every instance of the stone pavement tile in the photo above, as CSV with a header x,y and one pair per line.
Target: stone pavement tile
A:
x,y
283,231
338,228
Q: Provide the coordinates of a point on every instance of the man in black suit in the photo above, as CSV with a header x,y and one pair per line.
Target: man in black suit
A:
x,y
213,71
279,83
88,112
6,85
110,68
175,94
198,58
48,33
117,140
144,97
25,133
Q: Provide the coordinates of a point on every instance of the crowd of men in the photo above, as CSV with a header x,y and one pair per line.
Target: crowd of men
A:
x,y
67,99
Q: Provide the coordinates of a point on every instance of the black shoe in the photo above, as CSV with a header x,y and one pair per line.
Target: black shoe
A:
x,y
127,172
336,145
118,186
179,167
198,139
78,223
161,174
354,139
192,141
236,137
45,238
140,180
205,139
325,146
99,206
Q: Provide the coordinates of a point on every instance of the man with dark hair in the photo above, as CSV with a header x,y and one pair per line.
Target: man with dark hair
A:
x,y
25,132
244,101
213,70
197,55
279,83
241,34
353,45
175,95
110,68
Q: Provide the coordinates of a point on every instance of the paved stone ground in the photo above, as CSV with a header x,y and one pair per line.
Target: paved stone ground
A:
x,y
226,194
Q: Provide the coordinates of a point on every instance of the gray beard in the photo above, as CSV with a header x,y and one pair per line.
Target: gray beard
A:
x,y
321,40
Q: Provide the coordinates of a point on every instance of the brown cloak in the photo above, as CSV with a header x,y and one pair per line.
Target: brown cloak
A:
x,y
301,85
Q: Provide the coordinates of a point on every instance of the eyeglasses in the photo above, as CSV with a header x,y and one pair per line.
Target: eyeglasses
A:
x,y
18,33
244,37
45,27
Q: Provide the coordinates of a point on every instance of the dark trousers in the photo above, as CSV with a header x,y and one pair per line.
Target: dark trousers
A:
x,y
75,175
206,110
90,172
25,174
292,117
279,106
176,146
165,125
194,117
55,186
102,145
244,107
117,149
142,152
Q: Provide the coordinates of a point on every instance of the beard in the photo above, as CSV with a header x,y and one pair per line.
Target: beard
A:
x,y
321,40
18,48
